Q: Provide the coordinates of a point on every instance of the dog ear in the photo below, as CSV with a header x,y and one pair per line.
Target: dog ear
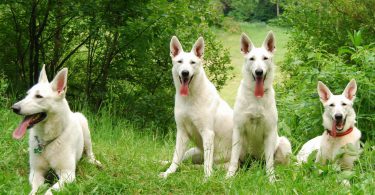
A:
x,y
42,75
198,47
246,44
60,81
324,92
350,90
269,43
175,47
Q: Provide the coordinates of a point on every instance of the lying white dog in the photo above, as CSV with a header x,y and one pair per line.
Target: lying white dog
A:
x,y
57,135
255,113
341,135
201,115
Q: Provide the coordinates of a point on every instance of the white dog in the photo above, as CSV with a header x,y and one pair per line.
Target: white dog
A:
x,y
57,135
339,122
255,114
201,115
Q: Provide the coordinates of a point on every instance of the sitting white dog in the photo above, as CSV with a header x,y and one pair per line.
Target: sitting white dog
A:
x,y
340,135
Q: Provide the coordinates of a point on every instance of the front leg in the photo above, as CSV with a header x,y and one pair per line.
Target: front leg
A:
x,y
236,152
36,179
181,147
65,176
269,151
208,137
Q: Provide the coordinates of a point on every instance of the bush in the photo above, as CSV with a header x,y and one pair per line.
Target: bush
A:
x,y
3,90
253,10
330,41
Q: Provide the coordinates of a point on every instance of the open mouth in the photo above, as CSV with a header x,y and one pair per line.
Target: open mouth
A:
x,y
28,122
339,124
185,81
259,85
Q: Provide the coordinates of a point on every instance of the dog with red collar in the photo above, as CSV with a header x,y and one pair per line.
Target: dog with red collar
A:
x,y
340,135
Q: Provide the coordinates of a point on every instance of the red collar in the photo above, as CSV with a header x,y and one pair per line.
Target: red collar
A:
x,y
340,134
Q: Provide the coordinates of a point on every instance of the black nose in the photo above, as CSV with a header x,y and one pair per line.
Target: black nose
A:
x,y
16,109
185,73
338,117
259,72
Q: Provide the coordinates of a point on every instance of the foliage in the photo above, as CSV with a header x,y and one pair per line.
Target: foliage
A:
x,y
117,53
325,24
253,10
3,90
332,44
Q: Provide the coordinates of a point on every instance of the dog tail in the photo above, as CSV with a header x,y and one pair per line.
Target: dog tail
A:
x,y
283,151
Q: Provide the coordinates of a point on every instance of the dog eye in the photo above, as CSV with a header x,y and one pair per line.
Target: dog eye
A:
x,y
332,105
344,104
38,96
265,58
179,61
252,59
192,62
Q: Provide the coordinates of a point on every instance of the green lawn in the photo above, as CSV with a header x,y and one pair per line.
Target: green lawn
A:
x,y
131,166
257,33
131,155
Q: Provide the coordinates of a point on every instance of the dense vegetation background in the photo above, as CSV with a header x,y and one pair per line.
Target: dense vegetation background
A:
x,y
117,53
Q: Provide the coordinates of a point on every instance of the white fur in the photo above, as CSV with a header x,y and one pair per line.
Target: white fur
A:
x,y
201,117
255,119
329,147
63,133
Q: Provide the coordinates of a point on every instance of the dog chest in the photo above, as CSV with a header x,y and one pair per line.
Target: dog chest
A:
x,y
253,132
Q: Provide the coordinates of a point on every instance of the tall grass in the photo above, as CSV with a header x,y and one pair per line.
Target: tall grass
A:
x,y
131,159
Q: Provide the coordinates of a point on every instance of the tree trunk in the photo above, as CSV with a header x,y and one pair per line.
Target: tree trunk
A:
x,y
32,37
277,8
57,37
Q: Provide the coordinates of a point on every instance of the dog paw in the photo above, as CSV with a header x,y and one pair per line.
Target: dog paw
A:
x,y
96,162
48,192
272,178
33,192
230,174
345,183
163,175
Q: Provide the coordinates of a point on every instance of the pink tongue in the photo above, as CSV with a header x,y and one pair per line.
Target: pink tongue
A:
x,y
259,90
333,131
21,130
184,90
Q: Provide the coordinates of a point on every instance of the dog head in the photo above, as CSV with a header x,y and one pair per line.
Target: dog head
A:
x,y
40,101
339,114
258,61
186,64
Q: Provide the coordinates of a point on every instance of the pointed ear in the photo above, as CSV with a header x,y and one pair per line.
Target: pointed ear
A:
x,y
350,90
42,75
246,44
175,47
324,92
269,43
60,81
198,47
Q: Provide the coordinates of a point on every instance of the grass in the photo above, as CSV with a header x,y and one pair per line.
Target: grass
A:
x,y
131,166
131,155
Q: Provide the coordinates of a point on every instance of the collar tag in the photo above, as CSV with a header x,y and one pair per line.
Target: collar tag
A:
x,y
39,149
